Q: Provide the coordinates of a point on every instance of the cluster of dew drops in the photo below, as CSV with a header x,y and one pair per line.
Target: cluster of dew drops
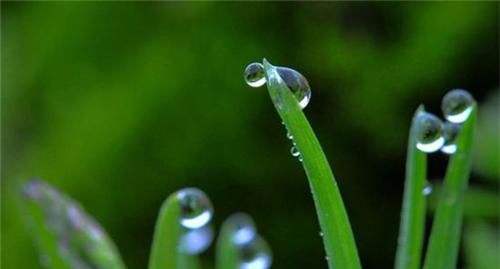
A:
x,y
255,76
197,235
433,135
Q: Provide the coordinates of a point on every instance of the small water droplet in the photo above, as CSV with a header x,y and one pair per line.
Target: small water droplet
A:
x,y
457,105
195,241
294,151
297,83
255,75
327,258
244,228
289,135
255,254
300,158
427,190
450,134
321,234
428,130
196,208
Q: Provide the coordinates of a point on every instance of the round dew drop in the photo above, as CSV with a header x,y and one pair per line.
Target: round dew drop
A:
x,y
457,105
450,133
429,132
255,255
294,151
255,75
427,190
244,228
196,208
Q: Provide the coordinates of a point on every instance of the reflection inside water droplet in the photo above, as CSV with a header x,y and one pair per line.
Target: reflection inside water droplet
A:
x,y
196,208
428,132
457,105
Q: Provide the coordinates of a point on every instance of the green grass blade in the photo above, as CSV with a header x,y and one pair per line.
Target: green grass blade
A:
x,y
409,251
164,251
227,256
66,235
337,234
445,234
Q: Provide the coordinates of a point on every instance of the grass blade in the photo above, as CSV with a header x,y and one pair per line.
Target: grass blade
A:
x,y
338,237
67,236
164,251
409,251
445,234
226,251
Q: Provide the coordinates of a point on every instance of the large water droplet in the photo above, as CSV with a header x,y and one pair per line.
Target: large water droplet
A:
x,y
255,254
297,83
196,208
457,105
255,75
450,133
427,190
244,228
428,130
195,241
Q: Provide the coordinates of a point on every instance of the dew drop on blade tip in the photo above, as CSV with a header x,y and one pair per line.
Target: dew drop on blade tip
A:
x,y
457,105
196,208
428,132
255,75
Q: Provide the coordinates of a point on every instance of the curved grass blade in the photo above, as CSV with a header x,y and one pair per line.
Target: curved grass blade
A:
x,y
227,256
164,251
338,237
67,236
445,234
412,227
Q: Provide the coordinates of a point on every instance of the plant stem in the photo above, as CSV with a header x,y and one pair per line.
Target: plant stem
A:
x,y
445,234
409,252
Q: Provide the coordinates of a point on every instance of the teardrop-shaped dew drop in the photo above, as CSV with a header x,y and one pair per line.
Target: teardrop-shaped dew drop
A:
x,y
195,241
428,132
294,151
427,190
297,83
457,105
255,75
255,254
196,208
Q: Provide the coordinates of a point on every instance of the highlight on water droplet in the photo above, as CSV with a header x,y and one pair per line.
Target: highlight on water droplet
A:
x,y
457,105
297,83
244,228
427,190
255,75
289,135
255,255
195,241
428,132
450,133
196,208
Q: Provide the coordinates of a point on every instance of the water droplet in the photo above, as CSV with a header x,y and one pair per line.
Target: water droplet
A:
x,y
244,228
427,190
196,208
255,75
450,133
297,83
300,158
195,241
457,105
428,130
294,151
289,135
327,258
255,254
321,234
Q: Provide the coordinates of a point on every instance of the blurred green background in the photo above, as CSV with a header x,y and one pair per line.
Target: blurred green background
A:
x,y
121,104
